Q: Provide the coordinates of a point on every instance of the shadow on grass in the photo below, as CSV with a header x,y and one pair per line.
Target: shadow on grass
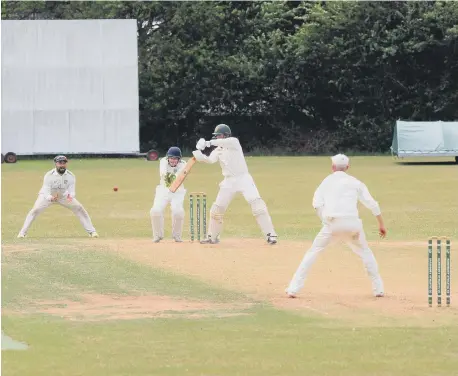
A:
x,y
65,273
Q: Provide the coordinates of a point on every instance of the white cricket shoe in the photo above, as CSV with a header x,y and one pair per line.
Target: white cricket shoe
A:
x,y
271,239
94,235
20,235
290,294
209,240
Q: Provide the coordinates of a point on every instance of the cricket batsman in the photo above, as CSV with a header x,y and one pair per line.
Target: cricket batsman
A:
x,y
59,188
336,203
229,153
169,167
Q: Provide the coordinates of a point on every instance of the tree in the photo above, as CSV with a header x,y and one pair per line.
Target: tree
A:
x,y
297,76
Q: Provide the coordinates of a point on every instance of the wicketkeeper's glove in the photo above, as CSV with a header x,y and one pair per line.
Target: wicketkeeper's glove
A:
x,y
169,178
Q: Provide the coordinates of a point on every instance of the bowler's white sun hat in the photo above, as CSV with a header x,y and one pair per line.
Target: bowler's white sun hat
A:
x,y
340,160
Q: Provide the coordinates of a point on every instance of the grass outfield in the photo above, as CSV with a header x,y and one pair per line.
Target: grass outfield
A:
x,y
121,305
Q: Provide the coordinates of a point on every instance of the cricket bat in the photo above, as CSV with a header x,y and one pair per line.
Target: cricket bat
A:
x,y
180,178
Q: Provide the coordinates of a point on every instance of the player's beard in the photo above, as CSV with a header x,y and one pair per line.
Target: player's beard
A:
x,y
61,170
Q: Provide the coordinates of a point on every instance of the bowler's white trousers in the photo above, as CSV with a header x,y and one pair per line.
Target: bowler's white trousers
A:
x,y
75,206
351,231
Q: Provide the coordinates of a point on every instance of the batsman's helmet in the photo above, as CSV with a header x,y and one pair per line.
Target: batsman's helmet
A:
x,y
222,129
60,158
174,152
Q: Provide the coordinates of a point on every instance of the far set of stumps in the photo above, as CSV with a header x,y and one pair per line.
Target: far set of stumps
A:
x,y
440,241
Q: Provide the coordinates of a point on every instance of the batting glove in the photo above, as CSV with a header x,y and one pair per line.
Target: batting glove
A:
x,y
201,144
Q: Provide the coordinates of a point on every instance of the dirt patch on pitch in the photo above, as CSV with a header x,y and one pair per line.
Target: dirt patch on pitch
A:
x,y
92,307
12,248
337,287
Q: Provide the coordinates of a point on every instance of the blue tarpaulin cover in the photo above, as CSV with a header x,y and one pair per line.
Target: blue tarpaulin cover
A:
x,y
425,138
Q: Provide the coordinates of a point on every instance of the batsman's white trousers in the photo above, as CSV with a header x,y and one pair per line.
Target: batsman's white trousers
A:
x,y
75,206
350,230
246,186
232,185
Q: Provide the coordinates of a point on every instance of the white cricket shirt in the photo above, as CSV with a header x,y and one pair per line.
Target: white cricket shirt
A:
x,y
338,196
229,153
55,183
165,168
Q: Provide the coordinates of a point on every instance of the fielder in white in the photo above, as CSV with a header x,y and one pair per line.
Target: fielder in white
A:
x,y
59,188
169,167
229,153
335,202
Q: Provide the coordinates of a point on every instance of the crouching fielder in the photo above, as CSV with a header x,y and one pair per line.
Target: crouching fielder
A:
x,y
59,188
169,167
229,153
335,201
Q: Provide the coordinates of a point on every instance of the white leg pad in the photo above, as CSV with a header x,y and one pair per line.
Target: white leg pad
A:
x,y
157,223
260,212
216,220
177,224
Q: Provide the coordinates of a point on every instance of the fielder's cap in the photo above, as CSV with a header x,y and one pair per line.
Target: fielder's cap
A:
x,y
60,158
340,160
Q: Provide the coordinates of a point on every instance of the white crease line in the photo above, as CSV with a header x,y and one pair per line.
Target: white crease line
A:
x,y
316,310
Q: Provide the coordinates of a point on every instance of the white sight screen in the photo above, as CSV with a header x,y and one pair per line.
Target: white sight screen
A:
x,y
70,86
